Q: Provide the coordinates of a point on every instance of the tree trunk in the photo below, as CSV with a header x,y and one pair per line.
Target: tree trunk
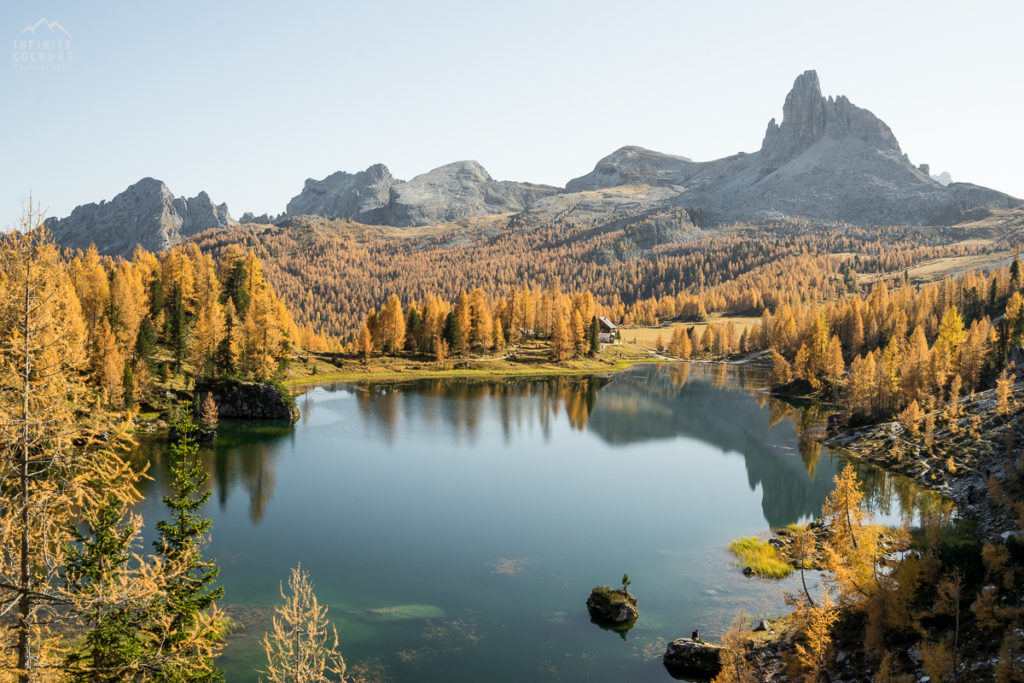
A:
x,y
24,576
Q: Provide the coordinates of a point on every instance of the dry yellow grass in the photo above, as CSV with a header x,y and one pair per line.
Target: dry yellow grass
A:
x,y
529,359
647,337
937,269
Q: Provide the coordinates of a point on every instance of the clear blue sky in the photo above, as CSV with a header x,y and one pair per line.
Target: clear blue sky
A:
x,y
247,99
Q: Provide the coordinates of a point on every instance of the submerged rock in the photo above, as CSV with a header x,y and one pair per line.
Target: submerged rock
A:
x,y
689,657
612,606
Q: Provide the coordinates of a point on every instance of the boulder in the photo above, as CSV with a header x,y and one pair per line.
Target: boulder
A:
x,y
238,400
689,657
612,606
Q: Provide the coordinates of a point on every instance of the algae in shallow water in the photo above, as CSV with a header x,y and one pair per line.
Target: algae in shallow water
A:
x,y
406,612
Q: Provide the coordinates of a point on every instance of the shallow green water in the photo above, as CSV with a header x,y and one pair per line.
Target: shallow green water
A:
x,y
456,528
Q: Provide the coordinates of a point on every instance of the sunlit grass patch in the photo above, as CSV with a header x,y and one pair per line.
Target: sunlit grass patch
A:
x,y
761,557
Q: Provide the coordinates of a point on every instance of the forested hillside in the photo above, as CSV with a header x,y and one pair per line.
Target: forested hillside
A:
x,y
175,313
642,268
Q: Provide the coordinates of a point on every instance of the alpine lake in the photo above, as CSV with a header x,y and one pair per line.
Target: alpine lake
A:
x,y
455,528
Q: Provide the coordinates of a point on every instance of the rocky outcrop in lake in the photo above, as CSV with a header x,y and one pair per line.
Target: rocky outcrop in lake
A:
x,y
610,606
686,657
146,214
239,400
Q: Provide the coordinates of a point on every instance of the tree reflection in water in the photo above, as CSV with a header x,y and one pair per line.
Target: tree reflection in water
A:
x,y
720,405
243,455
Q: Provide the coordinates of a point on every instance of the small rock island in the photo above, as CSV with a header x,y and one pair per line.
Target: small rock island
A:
x,y
612,606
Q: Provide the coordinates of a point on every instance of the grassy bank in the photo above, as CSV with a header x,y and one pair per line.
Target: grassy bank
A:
x,y
762,558
530,359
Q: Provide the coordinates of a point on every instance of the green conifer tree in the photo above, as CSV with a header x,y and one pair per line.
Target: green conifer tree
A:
x,y
114,642
453,334
145,342
225,356
128,385
191,582
594,336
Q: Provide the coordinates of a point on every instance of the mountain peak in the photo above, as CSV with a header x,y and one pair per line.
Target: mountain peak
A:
x,y
468,169
806,85
145,213
807,117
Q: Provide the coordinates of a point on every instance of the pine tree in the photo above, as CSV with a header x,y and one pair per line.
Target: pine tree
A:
x,y
115,642
225,356
208,334
109,363
191,589
481,321
177,326
834,365
453,334
803,552
145,343
156,295
594,336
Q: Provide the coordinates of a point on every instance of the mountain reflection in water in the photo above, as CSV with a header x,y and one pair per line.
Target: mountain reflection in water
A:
x,y
721,405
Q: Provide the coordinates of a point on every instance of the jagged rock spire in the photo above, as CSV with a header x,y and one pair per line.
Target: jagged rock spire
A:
x,y
807,117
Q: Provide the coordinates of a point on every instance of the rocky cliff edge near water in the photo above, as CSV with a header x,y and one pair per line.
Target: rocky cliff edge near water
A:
x,y
239,400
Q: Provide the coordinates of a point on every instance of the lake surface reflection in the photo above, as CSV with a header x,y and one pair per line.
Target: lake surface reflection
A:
x,y
455,528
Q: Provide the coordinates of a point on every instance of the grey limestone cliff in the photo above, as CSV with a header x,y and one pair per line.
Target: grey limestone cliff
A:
x,y
828,160
458,190
146,214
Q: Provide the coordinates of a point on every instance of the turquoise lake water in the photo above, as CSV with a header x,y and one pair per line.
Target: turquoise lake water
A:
x,y
455,528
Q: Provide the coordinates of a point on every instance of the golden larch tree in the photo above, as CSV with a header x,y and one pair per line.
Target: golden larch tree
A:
x,y
302,646
52,466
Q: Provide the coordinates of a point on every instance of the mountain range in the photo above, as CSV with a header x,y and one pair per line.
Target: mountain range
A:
x,y
828,161
146,214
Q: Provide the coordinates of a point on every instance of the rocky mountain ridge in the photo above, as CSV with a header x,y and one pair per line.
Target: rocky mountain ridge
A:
x,y
146,213
828,160
458,190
